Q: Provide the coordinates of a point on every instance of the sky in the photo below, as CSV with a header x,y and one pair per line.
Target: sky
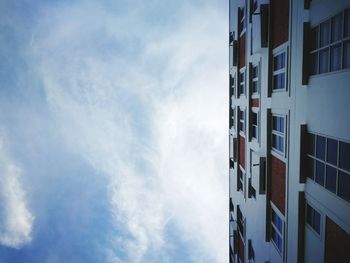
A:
x,y
114,131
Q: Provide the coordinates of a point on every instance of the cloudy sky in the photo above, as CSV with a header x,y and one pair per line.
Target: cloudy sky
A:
x,y
113,131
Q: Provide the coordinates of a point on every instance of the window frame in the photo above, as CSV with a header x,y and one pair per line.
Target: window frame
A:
x,y
279,134
255,127
325,162
242,122
330,46
278,51
256,79
242,83
242,26
307,224
272,226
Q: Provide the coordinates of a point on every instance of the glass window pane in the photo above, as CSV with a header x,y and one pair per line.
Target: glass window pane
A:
x,y
319,177
344,155
279,61
332,151
320,147
310,168
314,63
311,144
281,143
331,178
344,186
336,27
279,81
324,57
335,57
346,55
309,214
314,38
347,23
324,33
316,221
281,120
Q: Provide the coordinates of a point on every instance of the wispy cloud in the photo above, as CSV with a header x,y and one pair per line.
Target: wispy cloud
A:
x,y
16,221
143,102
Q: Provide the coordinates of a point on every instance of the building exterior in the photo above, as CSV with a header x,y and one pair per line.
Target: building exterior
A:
x,y
289,175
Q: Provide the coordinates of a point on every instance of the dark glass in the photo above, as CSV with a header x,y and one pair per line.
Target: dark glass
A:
x,y
331,178
309,214
254,72
347,23
332,151
323,60
344,155
320,147
324,33
314,63
316,221
314,38
279,61
344,186
337,27
310,168
278,81
335,57
319,176
311,144
254,118
346,54
255,87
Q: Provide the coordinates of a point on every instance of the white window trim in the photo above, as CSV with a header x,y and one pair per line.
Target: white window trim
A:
x,y
257,80
280,215
242,133
321,220
277,51
244,20
244,82
256,111
277,152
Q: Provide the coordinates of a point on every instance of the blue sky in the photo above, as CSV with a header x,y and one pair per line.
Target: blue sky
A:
x,y
113,131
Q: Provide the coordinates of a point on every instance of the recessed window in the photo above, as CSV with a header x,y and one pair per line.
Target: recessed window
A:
x,y
242,21
240,222
255,125
330,47
255,79
240,179
328,164
278,134
242,82
344,185
277,226
242,121
313,219
279,71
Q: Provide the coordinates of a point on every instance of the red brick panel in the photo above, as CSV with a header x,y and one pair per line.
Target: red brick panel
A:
x,y
241,249
278,183
242,51
337,243
255,103
242,151
280,22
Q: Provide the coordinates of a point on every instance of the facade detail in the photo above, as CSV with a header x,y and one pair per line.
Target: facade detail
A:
x,y
289,173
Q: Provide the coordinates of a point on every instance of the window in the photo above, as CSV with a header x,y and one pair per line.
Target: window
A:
x,y
242,121
255,125
242,20
251,252
251,189
328,164
277,229
242,82
278,134
279,71
330,47
313,219
240,222
255,79
241,180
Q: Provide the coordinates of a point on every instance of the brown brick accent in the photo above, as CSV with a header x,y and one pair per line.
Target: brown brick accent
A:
x,y
242,151
255,103
278,183
241,249
337,243
280,22
242,51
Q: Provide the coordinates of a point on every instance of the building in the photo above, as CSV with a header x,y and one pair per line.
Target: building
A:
x,y
289,175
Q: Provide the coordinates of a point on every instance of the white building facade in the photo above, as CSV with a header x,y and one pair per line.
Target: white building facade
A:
x,y
289,175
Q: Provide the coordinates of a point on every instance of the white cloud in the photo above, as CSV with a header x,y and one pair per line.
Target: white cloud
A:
x,y
16,221
172,86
